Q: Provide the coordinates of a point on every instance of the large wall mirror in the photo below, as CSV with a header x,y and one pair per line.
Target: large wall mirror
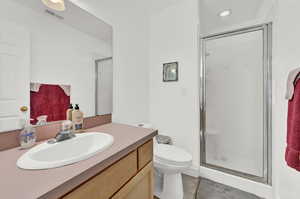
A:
x,y
49,59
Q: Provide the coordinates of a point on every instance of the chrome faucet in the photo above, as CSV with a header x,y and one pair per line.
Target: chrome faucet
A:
x,y
65,133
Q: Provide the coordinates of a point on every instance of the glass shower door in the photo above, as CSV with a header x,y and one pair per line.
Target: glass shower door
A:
x,y
235,103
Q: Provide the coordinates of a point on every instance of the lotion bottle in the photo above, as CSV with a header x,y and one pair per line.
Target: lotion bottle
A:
x,y
77,119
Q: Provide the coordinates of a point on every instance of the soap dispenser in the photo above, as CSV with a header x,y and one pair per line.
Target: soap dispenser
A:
x,y
27,136
77,119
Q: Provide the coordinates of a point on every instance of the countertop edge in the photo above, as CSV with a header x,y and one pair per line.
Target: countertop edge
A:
x,y
71,184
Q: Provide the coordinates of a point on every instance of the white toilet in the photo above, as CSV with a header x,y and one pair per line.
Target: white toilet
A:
x,y
169,162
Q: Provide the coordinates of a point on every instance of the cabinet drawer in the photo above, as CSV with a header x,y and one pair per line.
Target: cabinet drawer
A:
x,y
145,154
105,184
139,187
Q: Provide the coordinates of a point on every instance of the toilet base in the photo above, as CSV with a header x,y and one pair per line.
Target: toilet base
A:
x,y
172,187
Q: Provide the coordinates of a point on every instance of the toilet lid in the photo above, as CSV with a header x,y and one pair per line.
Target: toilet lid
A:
x,y
171,154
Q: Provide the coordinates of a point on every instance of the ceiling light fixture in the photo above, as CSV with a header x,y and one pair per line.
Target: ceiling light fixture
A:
x,y
58,5
225,13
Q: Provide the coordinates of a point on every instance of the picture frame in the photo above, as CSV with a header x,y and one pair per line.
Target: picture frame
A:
x,y
170,72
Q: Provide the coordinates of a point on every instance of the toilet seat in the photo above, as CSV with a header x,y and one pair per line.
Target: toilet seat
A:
x,y
171,155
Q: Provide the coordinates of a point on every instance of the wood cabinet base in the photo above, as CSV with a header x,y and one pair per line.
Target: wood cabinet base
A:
x,y
129,178
140,187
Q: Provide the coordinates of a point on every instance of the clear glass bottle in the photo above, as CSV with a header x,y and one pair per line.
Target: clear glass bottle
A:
x,y
27,136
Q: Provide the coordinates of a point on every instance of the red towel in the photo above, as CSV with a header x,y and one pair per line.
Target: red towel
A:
x,y
292,154
50,100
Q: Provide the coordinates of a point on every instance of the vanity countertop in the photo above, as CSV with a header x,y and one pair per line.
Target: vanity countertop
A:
x,y
17,183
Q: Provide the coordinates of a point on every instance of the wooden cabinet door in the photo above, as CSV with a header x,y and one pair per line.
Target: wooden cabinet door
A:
x,y
105,184
145,154
140,187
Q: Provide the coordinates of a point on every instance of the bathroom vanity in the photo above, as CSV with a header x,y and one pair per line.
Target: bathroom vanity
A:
x,y
129,178
124,170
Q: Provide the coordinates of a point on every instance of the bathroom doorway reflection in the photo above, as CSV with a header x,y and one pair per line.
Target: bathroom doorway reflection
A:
x,y
104,86
236,102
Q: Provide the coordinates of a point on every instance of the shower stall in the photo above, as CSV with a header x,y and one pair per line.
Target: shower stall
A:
x,y
236,102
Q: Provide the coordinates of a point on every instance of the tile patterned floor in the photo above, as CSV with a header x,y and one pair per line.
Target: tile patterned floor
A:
x,y
211,190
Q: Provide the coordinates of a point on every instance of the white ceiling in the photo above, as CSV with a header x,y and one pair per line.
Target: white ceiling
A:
x,y
77,18
243,12
155,6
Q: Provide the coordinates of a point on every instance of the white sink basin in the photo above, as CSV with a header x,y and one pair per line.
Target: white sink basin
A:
x,y
83,146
